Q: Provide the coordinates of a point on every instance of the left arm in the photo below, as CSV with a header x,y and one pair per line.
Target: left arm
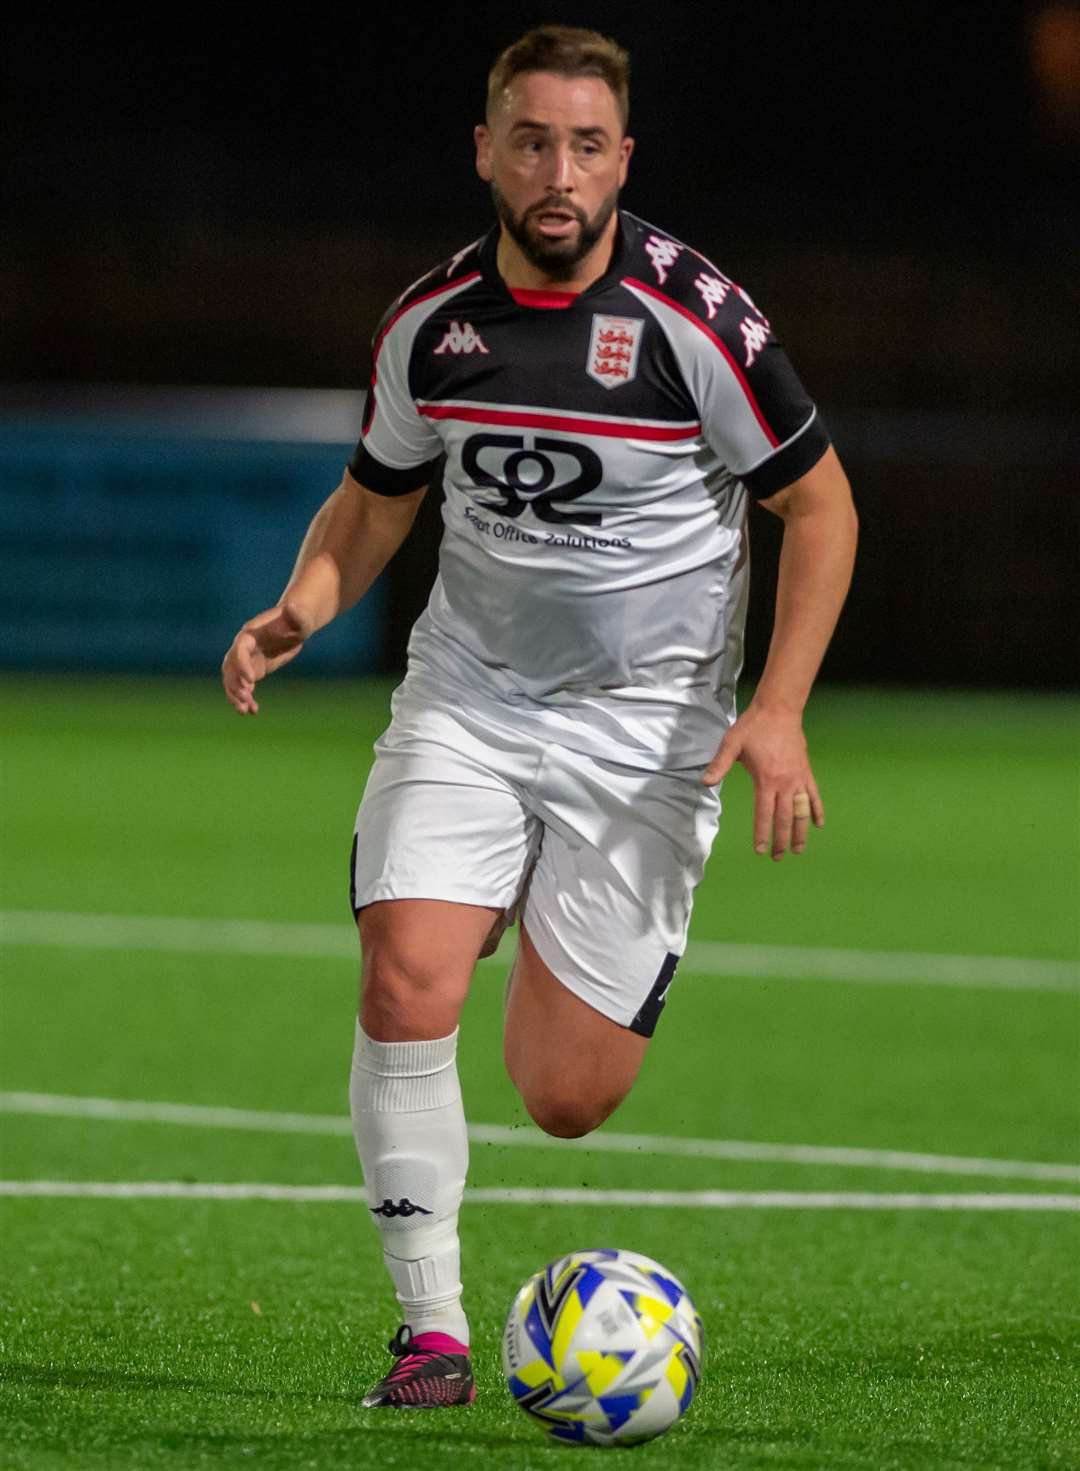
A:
x,y
816,560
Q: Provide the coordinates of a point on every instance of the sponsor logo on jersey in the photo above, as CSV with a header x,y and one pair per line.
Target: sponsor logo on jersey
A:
x,y
461,339
663,254
533,471
755,335
614,346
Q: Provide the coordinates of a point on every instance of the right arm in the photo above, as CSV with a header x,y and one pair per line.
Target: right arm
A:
x,y
349,542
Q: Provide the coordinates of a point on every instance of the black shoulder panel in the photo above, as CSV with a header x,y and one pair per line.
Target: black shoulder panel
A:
x,y
464,263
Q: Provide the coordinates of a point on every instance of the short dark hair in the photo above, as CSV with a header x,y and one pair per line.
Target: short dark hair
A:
x,y
568,51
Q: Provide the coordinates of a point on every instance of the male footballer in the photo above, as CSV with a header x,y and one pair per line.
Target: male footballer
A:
x,y
607,401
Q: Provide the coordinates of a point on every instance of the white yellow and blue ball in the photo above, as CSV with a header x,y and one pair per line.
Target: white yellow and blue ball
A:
x,y
603,1347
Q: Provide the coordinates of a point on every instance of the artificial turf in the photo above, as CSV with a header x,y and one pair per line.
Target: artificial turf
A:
x,y
185,1333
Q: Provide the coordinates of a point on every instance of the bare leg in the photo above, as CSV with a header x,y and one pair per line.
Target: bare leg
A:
x,y
572,1065
419,956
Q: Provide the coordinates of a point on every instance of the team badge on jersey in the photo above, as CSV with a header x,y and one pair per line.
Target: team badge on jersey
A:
x,y
613,349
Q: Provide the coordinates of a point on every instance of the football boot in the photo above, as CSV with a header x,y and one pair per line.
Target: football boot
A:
x,y
432,1369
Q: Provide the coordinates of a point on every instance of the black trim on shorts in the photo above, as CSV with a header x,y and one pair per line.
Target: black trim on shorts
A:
x,y
649,1011
352,878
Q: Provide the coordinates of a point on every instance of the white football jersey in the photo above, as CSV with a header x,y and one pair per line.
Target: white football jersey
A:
x,y
599,449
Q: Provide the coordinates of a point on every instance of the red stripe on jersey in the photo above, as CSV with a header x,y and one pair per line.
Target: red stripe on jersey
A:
x,y
525,419
717,342
439,291
555,300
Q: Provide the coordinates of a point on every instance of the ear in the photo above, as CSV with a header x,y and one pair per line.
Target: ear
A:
x,y
626,148
482,135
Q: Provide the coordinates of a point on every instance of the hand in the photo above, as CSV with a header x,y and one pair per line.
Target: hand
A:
x,y
264,644
772,747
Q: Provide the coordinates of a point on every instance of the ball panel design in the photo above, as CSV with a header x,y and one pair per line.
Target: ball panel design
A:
x,y
603,1347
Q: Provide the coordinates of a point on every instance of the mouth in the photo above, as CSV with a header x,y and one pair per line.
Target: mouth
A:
x,y
555,223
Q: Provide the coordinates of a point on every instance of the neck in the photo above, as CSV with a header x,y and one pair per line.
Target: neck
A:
x,y
518,271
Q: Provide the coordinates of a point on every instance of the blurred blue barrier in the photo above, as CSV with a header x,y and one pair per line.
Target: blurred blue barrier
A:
x,y
140,527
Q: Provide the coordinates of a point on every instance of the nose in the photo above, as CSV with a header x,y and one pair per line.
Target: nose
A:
x,y
562,171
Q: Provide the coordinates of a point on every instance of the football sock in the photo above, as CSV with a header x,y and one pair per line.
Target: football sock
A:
x,y
409,1126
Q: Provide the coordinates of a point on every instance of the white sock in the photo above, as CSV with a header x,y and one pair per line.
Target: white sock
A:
x,y
409,1127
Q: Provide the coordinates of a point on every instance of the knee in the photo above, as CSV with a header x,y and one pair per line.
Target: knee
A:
x,y
568,1115
562,1104
404,990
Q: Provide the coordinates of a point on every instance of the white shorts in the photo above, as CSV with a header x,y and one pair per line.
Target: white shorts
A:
x,y
605,856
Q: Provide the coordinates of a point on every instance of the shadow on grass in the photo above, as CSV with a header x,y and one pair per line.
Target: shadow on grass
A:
x,y
49,1377
393,1431
369,1423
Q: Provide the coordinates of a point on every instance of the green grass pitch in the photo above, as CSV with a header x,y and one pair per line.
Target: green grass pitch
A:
x,y
206,1333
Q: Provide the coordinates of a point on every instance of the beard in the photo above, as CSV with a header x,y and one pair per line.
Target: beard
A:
x,y
556,258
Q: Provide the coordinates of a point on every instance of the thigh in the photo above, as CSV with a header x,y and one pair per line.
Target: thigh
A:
x,y
571,1063
418,961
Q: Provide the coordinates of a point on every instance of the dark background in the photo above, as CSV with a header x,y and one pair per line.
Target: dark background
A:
x,y
231,196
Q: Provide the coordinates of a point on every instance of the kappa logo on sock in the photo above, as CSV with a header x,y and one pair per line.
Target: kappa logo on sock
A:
x,y
404,1207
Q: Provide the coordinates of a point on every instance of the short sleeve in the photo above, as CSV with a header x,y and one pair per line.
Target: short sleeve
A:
x,y
755,414
397,447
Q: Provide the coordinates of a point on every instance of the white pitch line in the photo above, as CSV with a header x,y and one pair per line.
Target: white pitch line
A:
x,y
688,1199
190,936
37,927
191,1115
792,1154
778,1200
882,967
141,1111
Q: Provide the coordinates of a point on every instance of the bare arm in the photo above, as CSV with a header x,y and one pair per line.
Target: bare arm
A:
x,y
349,542
816,560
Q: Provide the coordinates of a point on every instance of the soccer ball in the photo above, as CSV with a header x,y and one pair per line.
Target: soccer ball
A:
x,y
603,1348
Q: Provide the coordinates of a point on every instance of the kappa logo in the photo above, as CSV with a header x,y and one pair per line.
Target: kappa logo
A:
x,y
713,292
755,335
663,254
461,339
404,1208
614,347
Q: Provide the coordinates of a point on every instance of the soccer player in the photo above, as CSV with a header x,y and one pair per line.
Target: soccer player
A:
x,y
607,400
